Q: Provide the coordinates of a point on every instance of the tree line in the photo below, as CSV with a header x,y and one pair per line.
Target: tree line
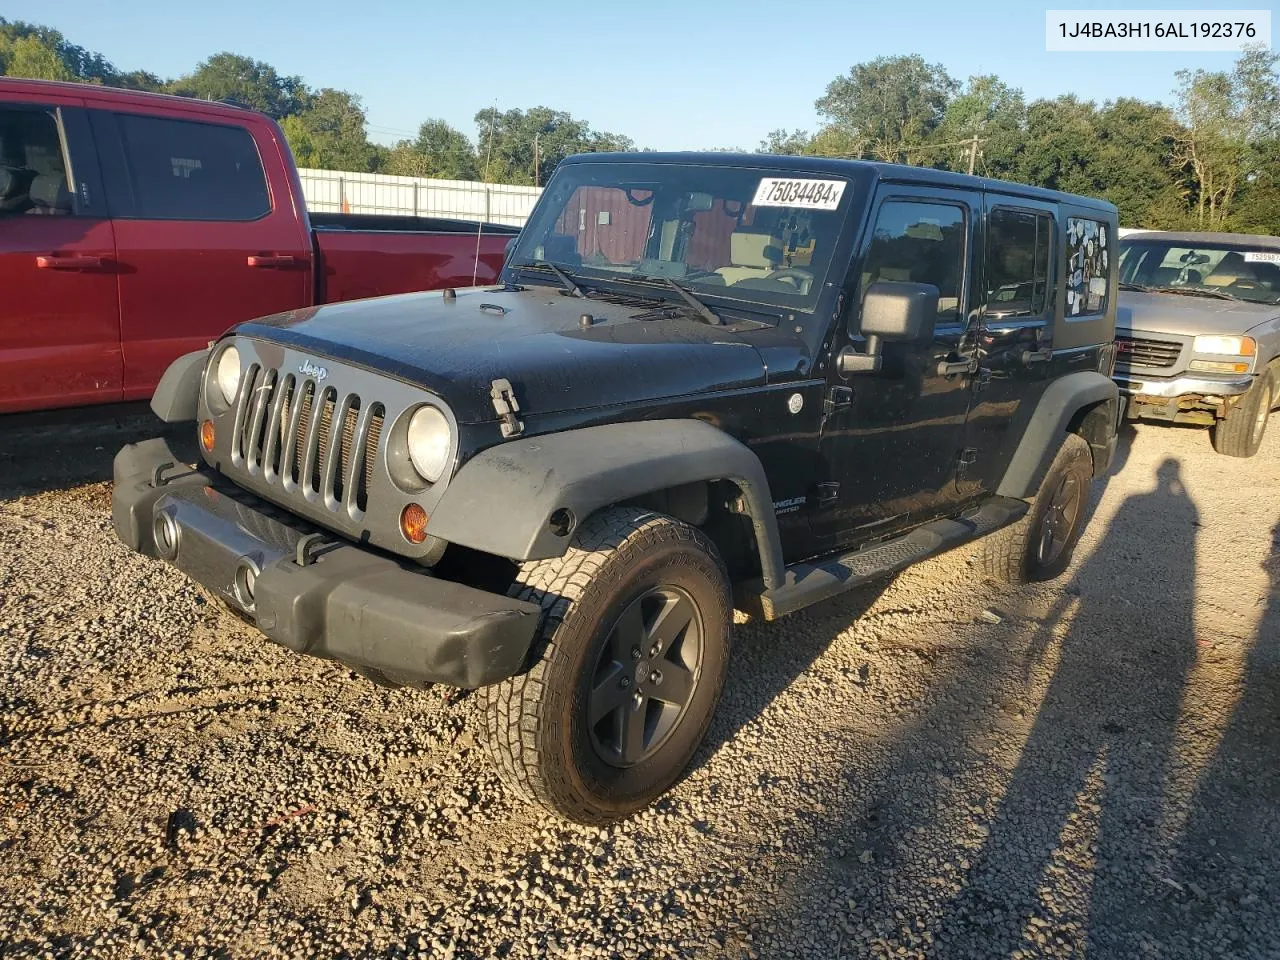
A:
x,y
1209,160
328,128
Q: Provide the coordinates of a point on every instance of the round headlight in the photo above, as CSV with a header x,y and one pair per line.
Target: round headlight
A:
x,y
228,373
429,442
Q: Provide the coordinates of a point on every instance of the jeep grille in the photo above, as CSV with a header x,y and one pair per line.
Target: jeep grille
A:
x,y
312,436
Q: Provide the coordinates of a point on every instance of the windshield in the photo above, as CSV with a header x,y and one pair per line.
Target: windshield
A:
x,y
1214,269
750,235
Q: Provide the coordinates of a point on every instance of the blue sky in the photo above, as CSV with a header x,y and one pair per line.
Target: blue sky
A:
x,y
671,74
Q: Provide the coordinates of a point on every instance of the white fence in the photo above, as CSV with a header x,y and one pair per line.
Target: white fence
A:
x,y
332,191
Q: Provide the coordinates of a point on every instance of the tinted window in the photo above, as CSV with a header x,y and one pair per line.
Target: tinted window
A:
x,y
33,171
1017,263
192,171
919,243
1088,266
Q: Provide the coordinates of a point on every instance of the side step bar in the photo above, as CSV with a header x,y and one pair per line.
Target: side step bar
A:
x,y
807,583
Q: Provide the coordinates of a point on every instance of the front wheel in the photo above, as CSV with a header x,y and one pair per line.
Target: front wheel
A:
x,y
1241,433
1040,545
627,670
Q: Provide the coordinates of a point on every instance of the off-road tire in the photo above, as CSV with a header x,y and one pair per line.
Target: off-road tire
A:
x,y
1240,433
536,730
1012,554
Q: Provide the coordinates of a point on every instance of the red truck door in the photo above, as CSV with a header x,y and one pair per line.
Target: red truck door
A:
x,y
208,232
59,312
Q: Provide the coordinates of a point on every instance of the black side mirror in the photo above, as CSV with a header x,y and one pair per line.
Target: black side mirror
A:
x,y
891,311
511,245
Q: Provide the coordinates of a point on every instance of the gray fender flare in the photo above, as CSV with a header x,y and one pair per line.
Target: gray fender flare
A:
x,y
177,396
501,501
1058,405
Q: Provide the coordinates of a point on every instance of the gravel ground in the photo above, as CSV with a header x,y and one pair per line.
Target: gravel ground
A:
x,y
892,774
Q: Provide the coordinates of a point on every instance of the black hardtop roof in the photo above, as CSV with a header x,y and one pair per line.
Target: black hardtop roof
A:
x,y
889,172
1192,237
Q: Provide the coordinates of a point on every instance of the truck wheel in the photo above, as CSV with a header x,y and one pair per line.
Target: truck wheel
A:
x,y
627,670
1039,546
1241,433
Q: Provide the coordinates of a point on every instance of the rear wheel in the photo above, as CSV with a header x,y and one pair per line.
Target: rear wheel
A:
x,y
1040,545
1240,433
627,672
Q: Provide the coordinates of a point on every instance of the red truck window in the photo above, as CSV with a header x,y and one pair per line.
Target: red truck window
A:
x,y
179,170
33,174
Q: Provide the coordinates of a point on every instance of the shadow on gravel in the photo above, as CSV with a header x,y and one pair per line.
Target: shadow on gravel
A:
x,y
942,877
40,453
767,658
1098,757
1226,870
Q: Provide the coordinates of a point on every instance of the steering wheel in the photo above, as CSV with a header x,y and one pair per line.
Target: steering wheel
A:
x,y
802,279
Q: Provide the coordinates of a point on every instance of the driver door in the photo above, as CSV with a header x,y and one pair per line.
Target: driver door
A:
x,y
891,441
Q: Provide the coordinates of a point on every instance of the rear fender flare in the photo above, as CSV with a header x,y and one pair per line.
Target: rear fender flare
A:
x,y
1049,424
502,500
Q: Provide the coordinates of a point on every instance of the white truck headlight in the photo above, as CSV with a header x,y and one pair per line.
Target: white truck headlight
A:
x,y
228,373
1226,346
429,441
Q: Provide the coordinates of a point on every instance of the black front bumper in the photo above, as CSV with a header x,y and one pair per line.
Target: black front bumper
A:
x,y
316,594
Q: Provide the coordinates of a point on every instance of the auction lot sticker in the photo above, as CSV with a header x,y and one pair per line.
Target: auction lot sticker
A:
x,y
1155,30
814,194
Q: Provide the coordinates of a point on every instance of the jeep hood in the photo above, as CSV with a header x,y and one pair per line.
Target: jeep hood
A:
x,y
1187,315
533,338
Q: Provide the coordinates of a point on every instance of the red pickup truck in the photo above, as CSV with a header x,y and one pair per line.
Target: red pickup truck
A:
x,y
136,227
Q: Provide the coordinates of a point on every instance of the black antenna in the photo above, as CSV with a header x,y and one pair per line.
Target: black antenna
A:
x,y
493,116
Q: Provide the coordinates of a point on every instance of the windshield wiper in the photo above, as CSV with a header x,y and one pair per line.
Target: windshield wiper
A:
x,y
705,312
1124,285
566,281
1196,292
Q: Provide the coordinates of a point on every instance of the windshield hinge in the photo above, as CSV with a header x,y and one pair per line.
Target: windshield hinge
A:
x,y
506,407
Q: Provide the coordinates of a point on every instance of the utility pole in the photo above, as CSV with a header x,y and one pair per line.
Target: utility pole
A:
x,y
973,154
537,161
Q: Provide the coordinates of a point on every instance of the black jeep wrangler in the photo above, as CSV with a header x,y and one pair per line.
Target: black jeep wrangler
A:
x,y
707,382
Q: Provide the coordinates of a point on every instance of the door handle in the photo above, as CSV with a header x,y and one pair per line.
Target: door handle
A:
x,y
1037,356
54,262
257,260
954,368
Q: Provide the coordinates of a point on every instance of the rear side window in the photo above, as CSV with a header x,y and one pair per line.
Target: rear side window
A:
x,y
918,242
33,170
1089,256
179,170
1018,244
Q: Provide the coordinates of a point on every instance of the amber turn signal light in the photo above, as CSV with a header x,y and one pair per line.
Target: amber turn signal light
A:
x,y
413,523
206,436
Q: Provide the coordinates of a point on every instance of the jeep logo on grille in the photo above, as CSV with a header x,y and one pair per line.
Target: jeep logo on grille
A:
x,y
309,369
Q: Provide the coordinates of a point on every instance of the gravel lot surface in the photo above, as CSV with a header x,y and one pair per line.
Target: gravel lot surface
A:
x,y
893,774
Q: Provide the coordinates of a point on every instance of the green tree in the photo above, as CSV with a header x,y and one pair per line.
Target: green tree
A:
x,y
988,110
35,57
783,141
438,151
509,142
1227,119
251,82
888,108
32,58
330,133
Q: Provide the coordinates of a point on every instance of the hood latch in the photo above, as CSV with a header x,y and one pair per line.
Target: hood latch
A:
x,y
506,407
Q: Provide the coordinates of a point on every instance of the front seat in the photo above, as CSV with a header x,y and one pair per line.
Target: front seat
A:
x,y
49,196
752,256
